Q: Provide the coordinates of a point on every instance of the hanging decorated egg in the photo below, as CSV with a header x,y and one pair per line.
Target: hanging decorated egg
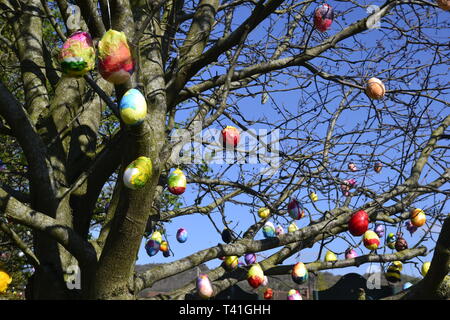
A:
x,y
347,185
299,273
407,285
379,230
231,262
418,217
115,61
350,253
292,227
269,230
263,213
323,17
378,166
390,240
137,173
330,256
152,247
204,286
279,230
313,196
227,236
375,89
352,167
265,281
268,294
444,4
5,280
164,246
294,295
177,182
241,264
230,137
410,227
358,223
250,258
156,236
255,276
393,272
182,235
166,254
425,268
133,107
401,244
295,210
77,55
371,240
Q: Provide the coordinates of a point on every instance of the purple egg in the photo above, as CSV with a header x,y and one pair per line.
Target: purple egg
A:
x,y
379,230
152,247
250,258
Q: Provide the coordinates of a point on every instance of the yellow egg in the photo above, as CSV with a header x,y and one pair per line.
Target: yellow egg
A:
x,y
5,280
313,197
425,268
292,227
330,256
263,213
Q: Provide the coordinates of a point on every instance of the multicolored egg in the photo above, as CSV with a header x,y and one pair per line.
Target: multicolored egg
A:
x,y
352,167
255,276
292,227
410,227
231,262
77,56
379,230
330,256
390,240
358,223
444,4
350,253
204,286
323,17
393,272
115,61
294,295
401,244
177,182
137,173
133,107
295,210
268,294
425,268
378,166
152,247
263,213
418,217
227,236
182,235
266,281
313,196
371,240
279,230
269,230
375,89
250,258
164,246
5,280
230,137
299,273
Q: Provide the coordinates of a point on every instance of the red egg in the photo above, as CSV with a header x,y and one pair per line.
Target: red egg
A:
x,y
323,17
358,223
230,137
268,294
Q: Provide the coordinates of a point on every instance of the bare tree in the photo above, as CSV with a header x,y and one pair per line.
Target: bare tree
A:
x,y
198,64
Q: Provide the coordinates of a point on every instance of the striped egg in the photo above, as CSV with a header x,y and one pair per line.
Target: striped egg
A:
x,y
371,240
255,276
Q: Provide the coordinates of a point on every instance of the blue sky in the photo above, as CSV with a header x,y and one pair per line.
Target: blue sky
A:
x,y
201,233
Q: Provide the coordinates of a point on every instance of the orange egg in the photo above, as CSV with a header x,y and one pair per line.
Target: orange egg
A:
x,y
444,4
418,217
375,89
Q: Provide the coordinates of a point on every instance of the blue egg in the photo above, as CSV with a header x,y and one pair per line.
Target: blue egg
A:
x,y
182,235
152,247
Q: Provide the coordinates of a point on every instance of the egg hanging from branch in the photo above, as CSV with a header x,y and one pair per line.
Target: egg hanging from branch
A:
x,y
390,240
377,167
425,268
295,210
250,258
294,295
268,294
204,286
152,247
177,182
418,217
330,256
230,137
263,212
371,240
269,230
133,107
350,253
358,223
313,196
379,230
182,235
375,89
299,273
77,55
231,262
255,276
227,236
137,173
5,281
292,227
393,272
156,236
352,167
323,17
401,244
115,62
279,230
